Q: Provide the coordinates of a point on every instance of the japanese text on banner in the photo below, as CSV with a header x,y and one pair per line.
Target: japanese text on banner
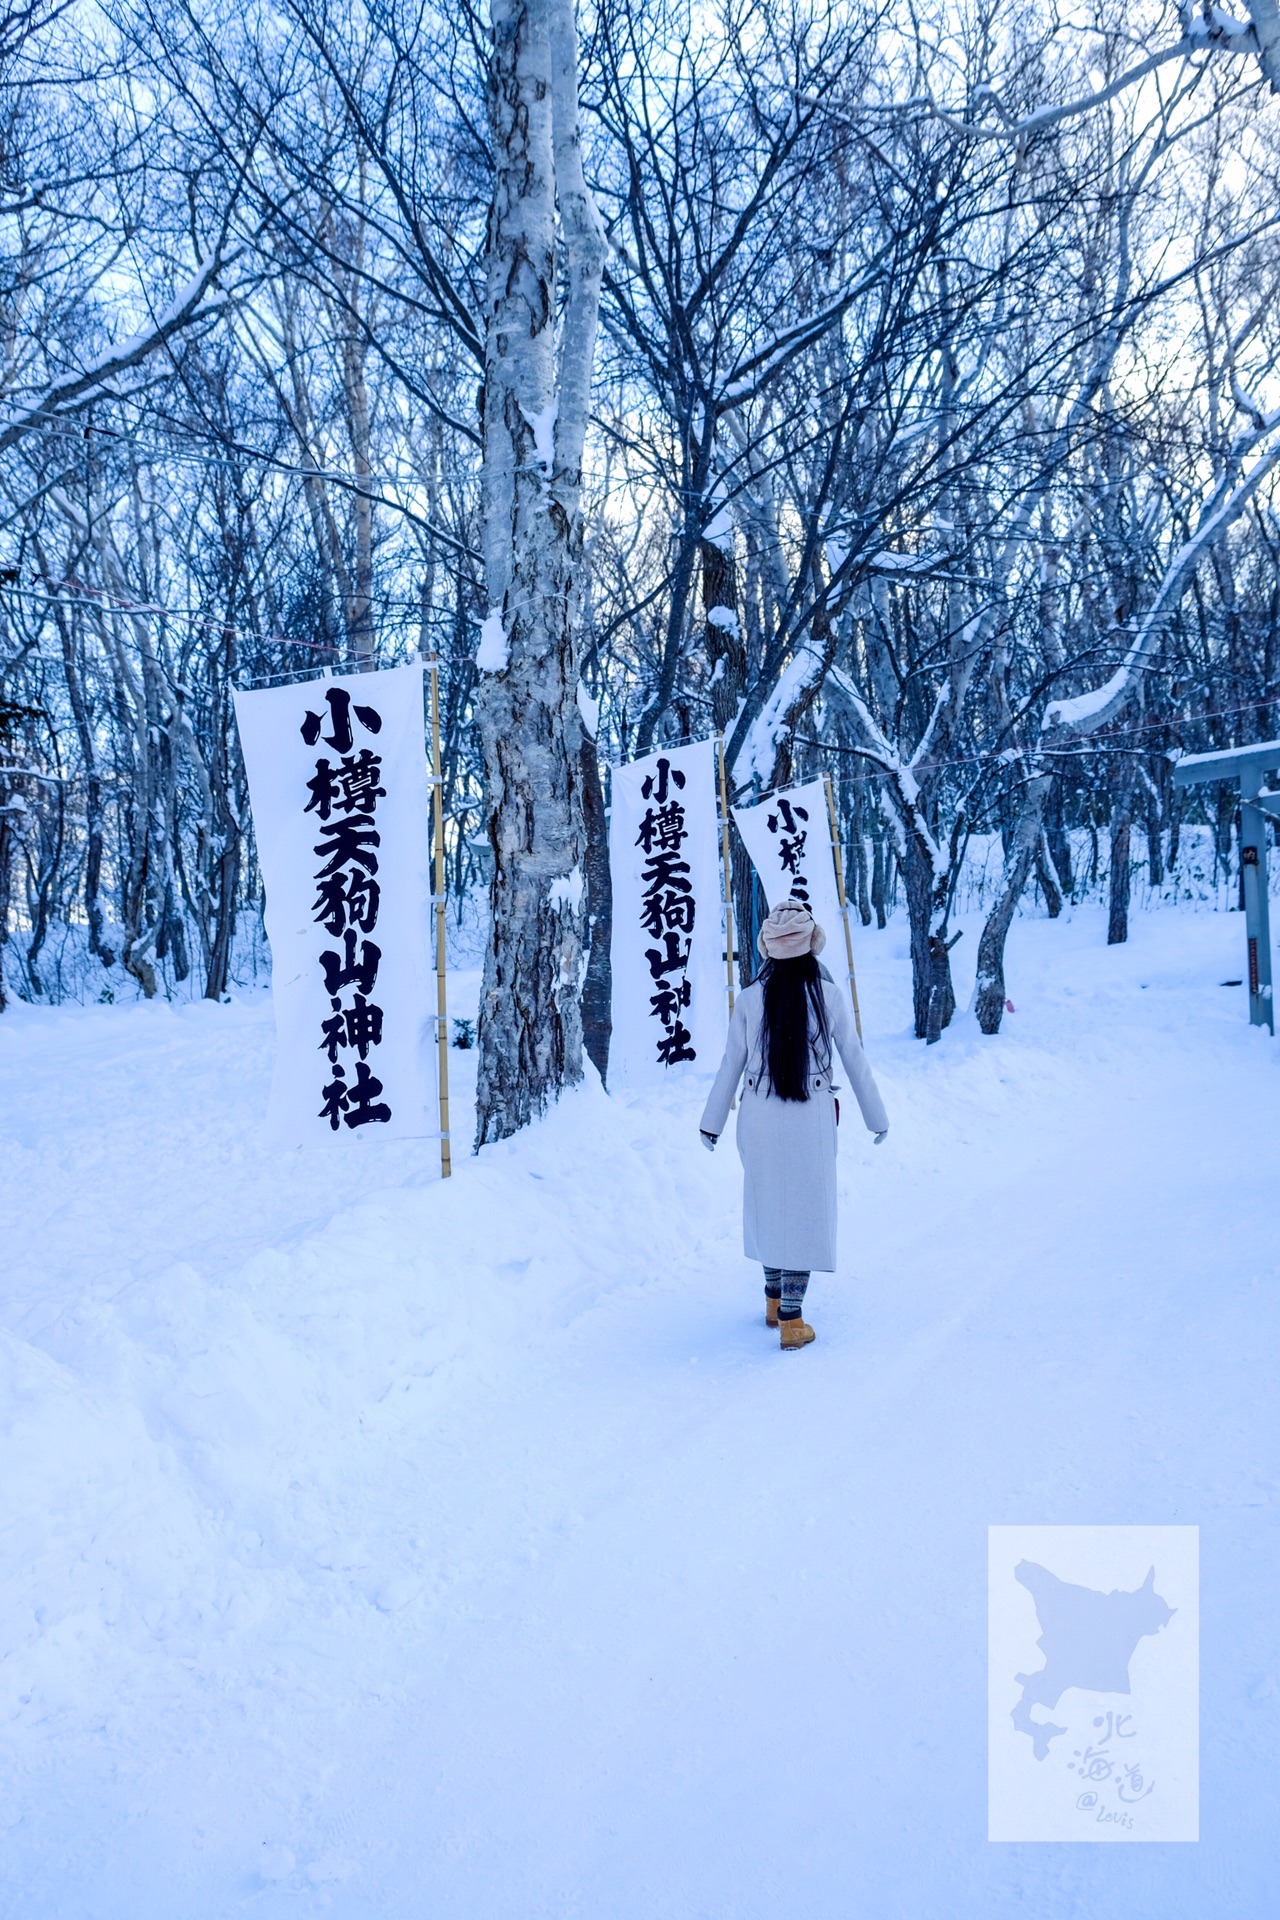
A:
x,y
789,839
344,799
669,1007
337,779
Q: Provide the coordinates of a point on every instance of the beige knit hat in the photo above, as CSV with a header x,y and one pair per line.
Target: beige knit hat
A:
x,y
790,931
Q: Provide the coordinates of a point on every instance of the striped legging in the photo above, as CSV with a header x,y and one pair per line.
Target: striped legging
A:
x,y
786,1285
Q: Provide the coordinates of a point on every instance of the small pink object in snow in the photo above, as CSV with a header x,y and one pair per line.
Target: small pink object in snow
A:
x,y
1009,1007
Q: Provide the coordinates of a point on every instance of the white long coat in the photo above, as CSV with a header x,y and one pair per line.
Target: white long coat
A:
x,y
788,1147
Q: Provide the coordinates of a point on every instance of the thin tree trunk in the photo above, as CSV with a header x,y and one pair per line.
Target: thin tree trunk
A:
x,y
140,926
989,1003
1155,848
50,836
356,393
918,876
224,932
942,994
1225,808
677,596
859,877
1059,841
172,939
932,991
1048,883
856,853
93,796
879,855
725,648
69,635
1121,824
748,906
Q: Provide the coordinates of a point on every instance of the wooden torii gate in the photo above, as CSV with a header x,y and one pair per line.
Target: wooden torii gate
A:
x,y
1244,767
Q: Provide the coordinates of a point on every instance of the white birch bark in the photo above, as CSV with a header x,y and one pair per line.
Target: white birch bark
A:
x,y
535,420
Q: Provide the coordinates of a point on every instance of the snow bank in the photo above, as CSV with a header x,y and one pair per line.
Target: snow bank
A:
x,y
378,1546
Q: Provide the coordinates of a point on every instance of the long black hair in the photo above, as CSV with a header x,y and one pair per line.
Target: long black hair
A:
x,y
794,1026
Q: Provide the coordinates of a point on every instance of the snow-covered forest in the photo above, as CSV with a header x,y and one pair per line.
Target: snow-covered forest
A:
x,y
908,413
394,1531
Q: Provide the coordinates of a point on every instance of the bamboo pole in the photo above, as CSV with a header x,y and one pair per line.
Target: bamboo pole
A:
x,y
838,857
728,873
442,1021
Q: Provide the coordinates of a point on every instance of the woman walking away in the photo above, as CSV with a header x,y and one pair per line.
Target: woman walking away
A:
x,y
787,1028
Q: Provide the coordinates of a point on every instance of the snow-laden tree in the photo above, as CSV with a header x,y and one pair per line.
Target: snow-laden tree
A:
x,y
930,445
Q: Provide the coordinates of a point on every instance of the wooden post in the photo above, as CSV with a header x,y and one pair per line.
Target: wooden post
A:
x,y
728,872
1244,768
844,904
1253,859
442,1020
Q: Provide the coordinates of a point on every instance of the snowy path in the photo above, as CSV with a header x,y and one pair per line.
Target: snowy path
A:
x,y
373,1547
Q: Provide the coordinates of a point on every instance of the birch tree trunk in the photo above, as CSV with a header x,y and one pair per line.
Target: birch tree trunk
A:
x,y
879,881
70,641
1120,874
1058,842
990,997
726,649
1048,879
535,417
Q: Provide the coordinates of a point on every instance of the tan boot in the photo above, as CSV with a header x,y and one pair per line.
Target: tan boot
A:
x,y
771,1311
796,1333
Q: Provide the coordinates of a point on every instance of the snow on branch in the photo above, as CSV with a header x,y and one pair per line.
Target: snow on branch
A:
x,y
1214,27
878,748
1210,29
920,758
1015,129
186,307
756,756
752,373
1086,712
932,560
904,789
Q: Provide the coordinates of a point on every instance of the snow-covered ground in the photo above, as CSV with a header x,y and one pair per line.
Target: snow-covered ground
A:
x,y
378,1547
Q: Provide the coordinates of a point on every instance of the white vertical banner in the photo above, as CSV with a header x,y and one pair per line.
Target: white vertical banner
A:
x,y
789,839
340,794
670,1007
